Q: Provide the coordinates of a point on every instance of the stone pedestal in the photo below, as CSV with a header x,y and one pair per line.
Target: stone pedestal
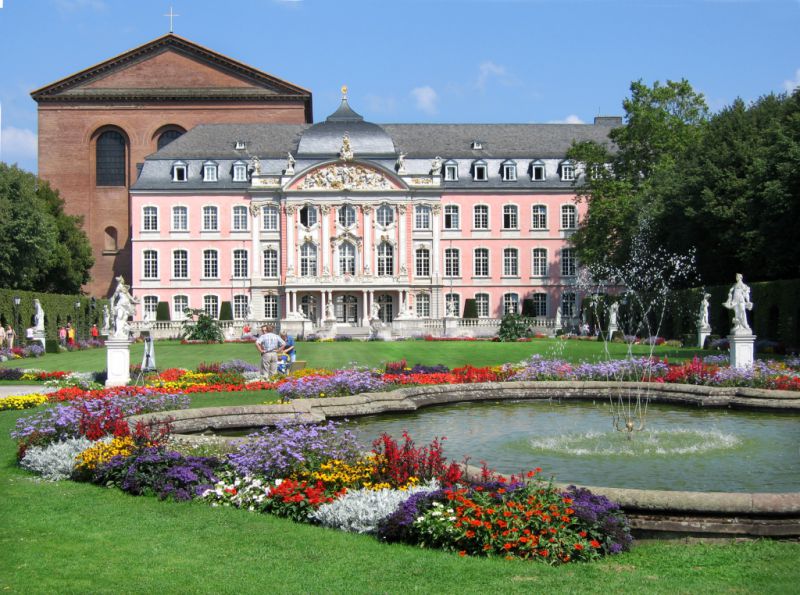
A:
x,y
39,337
612,328
451,326
741,350
118,353
702,335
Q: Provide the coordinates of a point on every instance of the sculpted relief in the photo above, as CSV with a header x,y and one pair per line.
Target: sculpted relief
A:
x,y
345,177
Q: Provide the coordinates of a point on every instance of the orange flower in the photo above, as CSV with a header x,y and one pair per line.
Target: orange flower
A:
x,y
462,553
507,546
594,543
470,533
578,546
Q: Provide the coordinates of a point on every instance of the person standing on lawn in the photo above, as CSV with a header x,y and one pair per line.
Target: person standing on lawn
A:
x,y
268,345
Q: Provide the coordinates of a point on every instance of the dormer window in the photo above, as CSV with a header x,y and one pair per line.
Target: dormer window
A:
x,y
241,145
209,171
480,171
537,171
240,171
508,170
180,171
567,171
451,171
477,145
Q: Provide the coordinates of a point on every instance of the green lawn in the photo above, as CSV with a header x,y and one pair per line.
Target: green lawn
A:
x,y
171,354
75,538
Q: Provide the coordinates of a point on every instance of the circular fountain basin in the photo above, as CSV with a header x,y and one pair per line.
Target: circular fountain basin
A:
x,y
695,498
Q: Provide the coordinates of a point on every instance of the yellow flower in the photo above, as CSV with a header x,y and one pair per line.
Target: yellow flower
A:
x,y
23,401
102,452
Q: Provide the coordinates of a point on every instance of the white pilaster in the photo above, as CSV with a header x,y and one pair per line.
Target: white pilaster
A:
x,y
367,259
402,247
325,223
256,258
437,234
290,241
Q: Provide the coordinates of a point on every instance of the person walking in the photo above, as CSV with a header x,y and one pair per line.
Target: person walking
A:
x,y
70,334
268,345
62,336
95,332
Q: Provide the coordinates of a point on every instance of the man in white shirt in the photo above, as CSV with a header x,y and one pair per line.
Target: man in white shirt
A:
x,y
268,344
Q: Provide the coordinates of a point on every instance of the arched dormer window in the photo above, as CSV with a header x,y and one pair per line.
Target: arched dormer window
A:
x,y
450,171
239,171
110,149
508,170
567,170
210,171
480,171
538,173
180,171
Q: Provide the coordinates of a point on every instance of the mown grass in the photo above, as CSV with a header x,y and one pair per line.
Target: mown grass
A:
x,y
75,538
172,354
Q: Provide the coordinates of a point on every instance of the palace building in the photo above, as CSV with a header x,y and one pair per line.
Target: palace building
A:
x,y
97,126
331,227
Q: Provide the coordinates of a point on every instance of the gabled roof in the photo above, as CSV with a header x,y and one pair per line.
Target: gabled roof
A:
x,y
250,84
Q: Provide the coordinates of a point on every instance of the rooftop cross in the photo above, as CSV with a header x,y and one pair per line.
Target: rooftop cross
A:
x,y
171,15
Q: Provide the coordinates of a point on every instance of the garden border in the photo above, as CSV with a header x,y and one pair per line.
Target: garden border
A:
x,y
656,514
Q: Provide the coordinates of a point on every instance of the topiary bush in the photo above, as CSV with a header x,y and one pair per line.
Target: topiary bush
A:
x,y
162,311
512,327
225,311
470,308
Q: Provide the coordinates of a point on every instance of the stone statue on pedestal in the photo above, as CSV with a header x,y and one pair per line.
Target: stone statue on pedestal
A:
x,y
702,321
123,306
106,321
289,171
38,324
739,301
374,311
613,312
436,166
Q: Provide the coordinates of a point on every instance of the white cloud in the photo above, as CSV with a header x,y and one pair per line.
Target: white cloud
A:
x,y
571,119
426,98
791,85
488,69
17,143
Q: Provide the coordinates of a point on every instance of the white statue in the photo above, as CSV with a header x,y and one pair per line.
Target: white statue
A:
x,y
249,313
450,309
38,316
401,163
346,152
702,321
739,301
613,311
558,316
374,311
123,306
436,166
255,165
106,320
289,164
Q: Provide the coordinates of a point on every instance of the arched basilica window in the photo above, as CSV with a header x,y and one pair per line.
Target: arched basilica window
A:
x,y
110,159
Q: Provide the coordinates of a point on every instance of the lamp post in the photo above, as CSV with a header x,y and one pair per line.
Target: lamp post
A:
x,y
15,315
77,319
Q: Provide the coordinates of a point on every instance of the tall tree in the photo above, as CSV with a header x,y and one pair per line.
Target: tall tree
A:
x,y
43,249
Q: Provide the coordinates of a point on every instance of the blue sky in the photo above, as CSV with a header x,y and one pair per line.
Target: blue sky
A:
x,y
422,60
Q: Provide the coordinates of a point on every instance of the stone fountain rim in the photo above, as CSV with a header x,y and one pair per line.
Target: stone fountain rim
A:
x,y
769,514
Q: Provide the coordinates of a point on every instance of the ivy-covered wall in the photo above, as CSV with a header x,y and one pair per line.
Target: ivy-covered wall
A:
x,y
775,314
58,310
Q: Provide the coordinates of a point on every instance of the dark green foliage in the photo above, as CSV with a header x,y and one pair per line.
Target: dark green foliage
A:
x,y
527,307
51,346
162,311
225,311
617,337
199,326
43,249
513,327
470,308
58,309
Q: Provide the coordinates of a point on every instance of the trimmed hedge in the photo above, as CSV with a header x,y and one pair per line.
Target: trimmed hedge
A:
x,y
470,308
162,311
58,310
225,311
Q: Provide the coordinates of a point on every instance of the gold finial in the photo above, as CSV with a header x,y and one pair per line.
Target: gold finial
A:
x,y
344,91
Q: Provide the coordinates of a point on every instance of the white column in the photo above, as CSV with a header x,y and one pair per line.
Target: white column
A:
x,y
364,308
402,248
255,259
437,232
290,227
367,255
326,243
324,315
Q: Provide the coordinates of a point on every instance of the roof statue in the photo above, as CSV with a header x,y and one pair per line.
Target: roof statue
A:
x,y
346,152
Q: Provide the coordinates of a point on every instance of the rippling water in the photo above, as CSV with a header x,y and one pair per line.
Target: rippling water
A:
x,y
681,448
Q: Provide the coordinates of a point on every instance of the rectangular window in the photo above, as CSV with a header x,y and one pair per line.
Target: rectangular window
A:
x,y
209,173
567,173
210,219
150,264
211,305
239,173
539,217
509,172
510,262
269,218
482,304
569,217
180,303
180,219
180,264
240,264
451,217
150,219
179,173
423,304
481,262
481,217
511,303
422,217
271,307
539,262
210,264
423,262
539,304
452,265
451,172
240,303
510,220
240,218
568,265
270,263
568,305
481,173
537,173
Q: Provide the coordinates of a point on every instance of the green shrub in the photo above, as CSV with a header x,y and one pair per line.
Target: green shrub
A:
x,y
618,337
527,307
470,308
162,311
51,346
512,327
225,311
204,328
